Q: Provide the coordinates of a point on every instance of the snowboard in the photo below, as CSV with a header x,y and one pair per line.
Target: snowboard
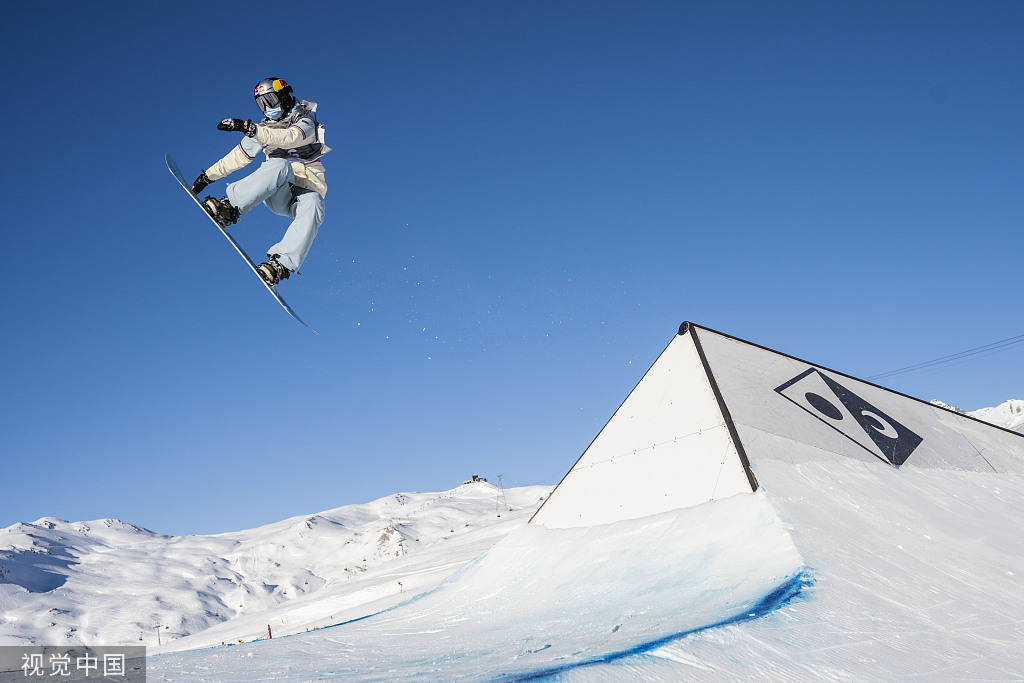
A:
x,y
172,166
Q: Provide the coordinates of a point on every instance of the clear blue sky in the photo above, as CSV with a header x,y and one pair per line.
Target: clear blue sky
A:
x,y
526,199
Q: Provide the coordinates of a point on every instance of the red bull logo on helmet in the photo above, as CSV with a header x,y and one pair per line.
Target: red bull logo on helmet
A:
x,y
277,85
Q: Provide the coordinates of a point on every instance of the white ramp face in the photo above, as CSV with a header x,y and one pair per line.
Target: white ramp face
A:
x,y
668,447
789,409
712,406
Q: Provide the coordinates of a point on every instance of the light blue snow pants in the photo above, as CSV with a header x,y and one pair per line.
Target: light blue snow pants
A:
x,y
272,184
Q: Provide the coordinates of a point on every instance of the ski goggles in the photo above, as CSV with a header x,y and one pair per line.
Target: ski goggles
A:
x,y
268,100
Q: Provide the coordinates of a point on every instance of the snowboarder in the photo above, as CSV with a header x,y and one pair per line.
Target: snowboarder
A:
x,y
291,181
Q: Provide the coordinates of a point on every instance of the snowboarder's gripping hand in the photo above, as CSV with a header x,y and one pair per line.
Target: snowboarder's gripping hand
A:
x,y
230,125
200,183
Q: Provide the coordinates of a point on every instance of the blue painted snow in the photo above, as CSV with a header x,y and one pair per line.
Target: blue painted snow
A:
x,y
774,601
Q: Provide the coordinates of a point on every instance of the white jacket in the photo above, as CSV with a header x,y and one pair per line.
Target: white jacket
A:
x,y
298,136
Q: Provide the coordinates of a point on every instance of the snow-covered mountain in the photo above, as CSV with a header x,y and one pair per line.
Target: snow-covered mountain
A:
x,y
1008,414
109,582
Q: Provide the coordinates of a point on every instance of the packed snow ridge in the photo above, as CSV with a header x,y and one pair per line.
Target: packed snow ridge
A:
x,y
110,582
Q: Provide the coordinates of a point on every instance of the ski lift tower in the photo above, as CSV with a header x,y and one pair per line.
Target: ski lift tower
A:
x,y
503,501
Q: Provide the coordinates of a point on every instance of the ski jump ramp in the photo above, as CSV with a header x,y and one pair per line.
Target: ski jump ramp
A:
x,y
712,405
828,527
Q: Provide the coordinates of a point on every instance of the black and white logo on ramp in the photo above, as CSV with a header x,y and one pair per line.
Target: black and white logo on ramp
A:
x,y
851,416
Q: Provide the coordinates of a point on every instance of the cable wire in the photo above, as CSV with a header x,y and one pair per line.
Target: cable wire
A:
x,y
942,360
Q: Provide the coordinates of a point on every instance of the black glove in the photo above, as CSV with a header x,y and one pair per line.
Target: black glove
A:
x,y
247,126
200,184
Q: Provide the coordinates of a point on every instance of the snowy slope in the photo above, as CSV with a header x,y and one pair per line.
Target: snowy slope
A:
x,y
917,576
109,582
916,572
542,599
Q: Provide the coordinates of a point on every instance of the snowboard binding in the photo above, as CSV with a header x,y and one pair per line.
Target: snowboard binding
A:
x,y
272,271
221,211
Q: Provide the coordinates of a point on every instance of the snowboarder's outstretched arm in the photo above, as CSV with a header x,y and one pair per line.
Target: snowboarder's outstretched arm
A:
x,y
302,132
298,133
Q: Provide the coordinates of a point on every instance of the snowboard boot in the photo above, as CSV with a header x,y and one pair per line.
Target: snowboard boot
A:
x,y
221,211
272,271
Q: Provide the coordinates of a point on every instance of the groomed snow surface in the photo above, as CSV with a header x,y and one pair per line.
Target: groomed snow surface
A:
x,y
834,570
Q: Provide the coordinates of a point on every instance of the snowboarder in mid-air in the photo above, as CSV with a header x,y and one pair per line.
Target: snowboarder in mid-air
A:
x,y
291,181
